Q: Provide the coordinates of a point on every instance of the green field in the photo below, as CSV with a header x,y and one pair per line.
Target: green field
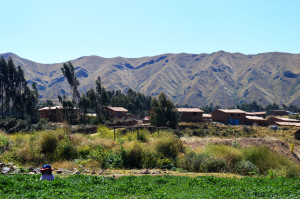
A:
x,y
80,186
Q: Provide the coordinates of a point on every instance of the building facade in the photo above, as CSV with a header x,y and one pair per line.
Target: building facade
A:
x,y
190,114
229,116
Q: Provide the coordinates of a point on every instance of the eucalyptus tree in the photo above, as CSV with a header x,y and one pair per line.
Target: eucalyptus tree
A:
x,y
69,72
163,112
3,82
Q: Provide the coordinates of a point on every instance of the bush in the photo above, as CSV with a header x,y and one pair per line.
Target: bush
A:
x,y
245,167
142,136
65,151
226,153
165,163
4,143
169,148
133,158
214,165
266,159
83,151
193,161
149,159
48,142
113,160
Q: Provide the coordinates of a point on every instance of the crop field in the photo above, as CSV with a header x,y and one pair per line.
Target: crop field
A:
x,y
81,186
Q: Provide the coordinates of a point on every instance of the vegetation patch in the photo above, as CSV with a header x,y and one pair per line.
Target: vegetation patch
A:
x,y
80,186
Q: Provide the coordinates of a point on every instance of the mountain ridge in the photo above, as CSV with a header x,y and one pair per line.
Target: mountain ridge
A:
x,y
220,78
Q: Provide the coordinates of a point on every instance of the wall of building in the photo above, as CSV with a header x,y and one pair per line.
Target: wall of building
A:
x,y
191,116
257,122
114,114
220,116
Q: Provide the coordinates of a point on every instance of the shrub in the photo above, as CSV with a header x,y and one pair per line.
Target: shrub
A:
x,y
92,164
226,153
142,136
193,161
4,143
266,159
113,160
65,151
214,165
83,151
133,158
199,132
97,154
165,163
149,159
48,142
169,147
105,132
245,167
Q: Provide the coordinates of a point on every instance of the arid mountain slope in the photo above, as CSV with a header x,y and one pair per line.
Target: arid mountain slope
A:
x,y
195,79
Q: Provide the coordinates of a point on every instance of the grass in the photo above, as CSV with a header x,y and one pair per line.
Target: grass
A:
x,y
143,149
79,186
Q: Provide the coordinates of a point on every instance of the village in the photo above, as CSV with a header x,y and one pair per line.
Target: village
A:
x,y
194,115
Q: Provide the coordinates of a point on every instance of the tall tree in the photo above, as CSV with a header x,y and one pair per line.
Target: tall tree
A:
x,y
69,73
3,82
163,112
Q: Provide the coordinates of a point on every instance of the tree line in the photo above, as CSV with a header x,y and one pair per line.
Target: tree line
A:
x,y
254,107
94,100
16,98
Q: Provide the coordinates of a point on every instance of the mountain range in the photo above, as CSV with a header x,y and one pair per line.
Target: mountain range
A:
x,y
221,78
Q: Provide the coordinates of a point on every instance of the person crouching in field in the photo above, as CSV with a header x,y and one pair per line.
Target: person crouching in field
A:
x,y
47,173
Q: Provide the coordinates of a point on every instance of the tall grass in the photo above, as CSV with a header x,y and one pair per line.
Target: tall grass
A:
x,y
266,159
139,149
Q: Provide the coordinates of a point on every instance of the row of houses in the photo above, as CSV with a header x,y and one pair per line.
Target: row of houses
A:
x,y
56,114
225,116
234,117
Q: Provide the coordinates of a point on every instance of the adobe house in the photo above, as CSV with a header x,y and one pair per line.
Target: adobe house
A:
x,y
258,114
255,120
279,112
206,117
146,120
55,114
190,114
282,120
229,116
114,112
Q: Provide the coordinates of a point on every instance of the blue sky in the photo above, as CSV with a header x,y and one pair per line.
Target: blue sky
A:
x,y
57,31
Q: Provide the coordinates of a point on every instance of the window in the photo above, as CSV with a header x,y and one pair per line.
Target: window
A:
x,y
194,113
231,114
239,114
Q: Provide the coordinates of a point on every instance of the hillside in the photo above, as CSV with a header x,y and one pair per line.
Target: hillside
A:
x,y
196,79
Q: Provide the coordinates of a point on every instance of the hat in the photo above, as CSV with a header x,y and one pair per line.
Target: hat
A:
x,y
46,166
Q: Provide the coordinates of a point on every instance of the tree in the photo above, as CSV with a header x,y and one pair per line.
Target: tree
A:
x,y
3,82
163,112
69,73
48,103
